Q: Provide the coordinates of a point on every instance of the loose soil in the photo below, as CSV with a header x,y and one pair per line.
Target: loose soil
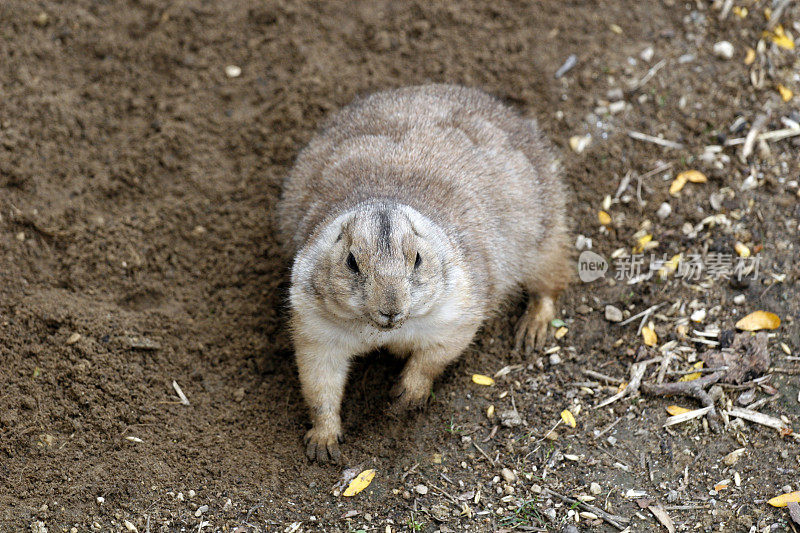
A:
x,y
137,186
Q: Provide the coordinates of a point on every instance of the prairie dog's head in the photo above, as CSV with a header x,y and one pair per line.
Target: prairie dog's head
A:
x,y
382,263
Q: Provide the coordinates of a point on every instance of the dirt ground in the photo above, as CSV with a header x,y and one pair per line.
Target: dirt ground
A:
x,y
138,176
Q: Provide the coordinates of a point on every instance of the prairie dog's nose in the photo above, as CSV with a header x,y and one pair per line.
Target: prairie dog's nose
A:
x,y
391,316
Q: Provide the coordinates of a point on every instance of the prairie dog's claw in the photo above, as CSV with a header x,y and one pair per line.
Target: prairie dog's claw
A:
x,y
323,446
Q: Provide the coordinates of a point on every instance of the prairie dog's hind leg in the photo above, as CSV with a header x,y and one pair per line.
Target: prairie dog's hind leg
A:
x,y
543,286
532,325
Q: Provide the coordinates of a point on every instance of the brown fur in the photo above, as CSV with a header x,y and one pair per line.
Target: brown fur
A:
x,y
448,202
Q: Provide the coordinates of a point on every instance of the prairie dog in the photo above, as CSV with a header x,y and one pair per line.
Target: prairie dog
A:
x,y
411,216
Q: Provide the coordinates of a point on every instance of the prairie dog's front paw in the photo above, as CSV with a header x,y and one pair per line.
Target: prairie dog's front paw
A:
x,y
323,445
411,393
532,326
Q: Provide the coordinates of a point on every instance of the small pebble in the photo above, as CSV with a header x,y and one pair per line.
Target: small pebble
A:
x,y
227,506
647,54
420,489
191,493
130,527
101,500
786,488
664,210
232,71
616,107
613,314
579,143
723,49
595,488
551,514
75,337
200,510
555,359
508,475
739,299
698,316
672,496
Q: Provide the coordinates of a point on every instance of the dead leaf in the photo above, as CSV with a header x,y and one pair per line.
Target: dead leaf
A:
x,y
650,337
786,93
662,516
784,499
694,375
746,358
759,320
675,410
480,379
779,37
360,483
568,418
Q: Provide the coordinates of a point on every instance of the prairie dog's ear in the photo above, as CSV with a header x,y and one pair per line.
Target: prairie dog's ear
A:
x,y
337,229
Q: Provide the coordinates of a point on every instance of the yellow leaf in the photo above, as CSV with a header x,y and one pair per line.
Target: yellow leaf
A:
x,y
742,250
670,266
695,176
480,379
694,375
784,499
360,482
675,410
641,243
786,93
568,418
650,337
604,218
740,12
779,37
759,320
622,386
677,184
750,57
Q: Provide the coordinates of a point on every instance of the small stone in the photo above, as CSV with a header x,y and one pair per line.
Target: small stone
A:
x,y
75,337
21,236
238,394
647,54
595,488
421,489
179,497
191,494
42,19
786,488
583,243
739,299
232,71
510,418
672,496
555,359
101,500
570,528
723,49
616,107
406,495
613,314
583,309
579,143
227,506
698,316
38,527
200,510
551,514
664,210
508,475
130,527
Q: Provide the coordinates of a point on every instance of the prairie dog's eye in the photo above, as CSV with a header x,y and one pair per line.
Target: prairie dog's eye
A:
x,y
417,261
351,263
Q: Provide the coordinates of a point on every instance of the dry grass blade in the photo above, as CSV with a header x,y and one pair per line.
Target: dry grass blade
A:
x,y
614,520
179,392
685,417
655,140
758,418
